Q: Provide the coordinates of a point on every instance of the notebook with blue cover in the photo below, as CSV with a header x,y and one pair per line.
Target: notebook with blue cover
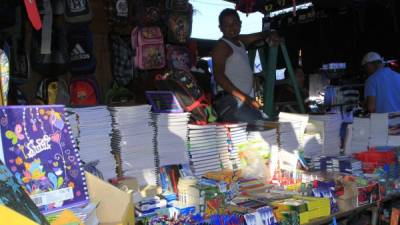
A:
x,y
14,197
38,147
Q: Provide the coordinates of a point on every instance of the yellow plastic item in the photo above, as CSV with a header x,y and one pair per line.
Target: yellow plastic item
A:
x,y
67,217
13,218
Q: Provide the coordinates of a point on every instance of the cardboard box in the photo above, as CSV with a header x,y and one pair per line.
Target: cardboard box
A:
x,y
13,217
116,207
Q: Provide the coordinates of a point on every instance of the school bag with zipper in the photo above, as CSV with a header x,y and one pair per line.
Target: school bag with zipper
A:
x,y
189,94
179,22
53,90
148,43
84,91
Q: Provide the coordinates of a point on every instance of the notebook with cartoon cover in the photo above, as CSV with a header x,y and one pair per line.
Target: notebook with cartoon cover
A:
x,y
37,146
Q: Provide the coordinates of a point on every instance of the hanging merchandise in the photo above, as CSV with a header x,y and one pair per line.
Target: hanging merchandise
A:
x,y
4,77
56,62
121,59
189,95
178,57
177,5
179,24
53,91
33,14
78,11
246,6
8,12
148,42
82,59
17,96
84,91
148,13
117,12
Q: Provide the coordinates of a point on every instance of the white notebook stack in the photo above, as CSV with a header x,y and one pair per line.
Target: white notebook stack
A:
x,y
331,124
229,135
170,135
299,123
287,138
378,129
360,135
132,137
202,149
94,138
312,145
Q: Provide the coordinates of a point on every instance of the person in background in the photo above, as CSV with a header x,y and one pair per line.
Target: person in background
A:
x,y
232,72
285,93
382,88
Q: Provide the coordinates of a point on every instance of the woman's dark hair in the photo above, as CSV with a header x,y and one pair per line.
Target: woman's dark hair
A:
x,y
228,12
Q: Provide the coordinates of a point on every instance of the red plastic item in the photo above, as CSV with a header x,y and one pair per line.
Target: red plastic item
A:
x,y
373,159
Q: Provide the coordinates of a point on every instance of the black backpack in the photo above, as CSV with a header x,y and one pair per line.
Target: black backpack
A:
x,y
189,94
121,59
55,63
82,59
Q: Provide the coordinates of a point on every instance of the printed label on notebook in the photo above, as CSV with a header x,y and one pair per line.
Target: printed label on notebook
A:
x,y
53,197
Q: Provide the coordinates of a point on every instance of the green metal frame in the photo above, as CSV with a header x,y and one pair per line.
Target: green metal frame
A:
x,y
269,60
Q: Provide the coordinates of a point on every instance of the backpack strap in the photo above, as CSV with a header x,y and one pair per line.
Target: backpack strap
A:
x,y
197,103
45,47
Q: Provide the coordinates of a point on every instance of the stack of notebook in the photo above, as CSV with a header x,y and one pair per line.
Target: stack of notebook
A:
x,y
202,149
170,136
394,129
299,123
360,135
287,138
94,138
132,140
229,135
330,129
312,145
378,127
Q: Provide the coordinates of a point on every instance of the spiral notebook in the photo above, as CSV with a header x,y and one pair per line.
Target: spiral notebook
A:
x,y
38,147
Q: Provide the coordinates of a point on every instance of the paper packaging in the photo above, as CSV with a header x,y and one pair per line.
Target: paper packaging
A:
x,y
116,207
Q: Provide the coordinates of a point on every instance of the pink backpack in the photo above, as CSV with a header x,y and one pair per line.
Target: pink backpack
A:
x,y
148,42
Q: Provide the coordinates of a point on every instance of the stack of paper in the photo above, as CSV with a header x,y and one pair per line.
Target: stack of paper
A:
x,y
287,138
331,125
202,149
94,138
312,145
360,135
170,135
350,165
229,135
378,127
299,123
394,129
132,139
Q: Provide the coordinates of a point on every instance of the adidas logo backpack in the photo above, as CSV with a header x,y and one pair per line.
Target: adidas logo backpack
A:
x,y
80,47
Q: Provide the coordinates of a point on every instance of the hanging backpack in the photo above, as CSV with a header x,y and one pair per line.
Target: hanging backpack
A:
x,y
17,96
179,25
177,5
4,77
121,59
148,42
84,91
148,13
117,12
8,10
56,62
82,59
52,91
77,11
178,57
189,94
